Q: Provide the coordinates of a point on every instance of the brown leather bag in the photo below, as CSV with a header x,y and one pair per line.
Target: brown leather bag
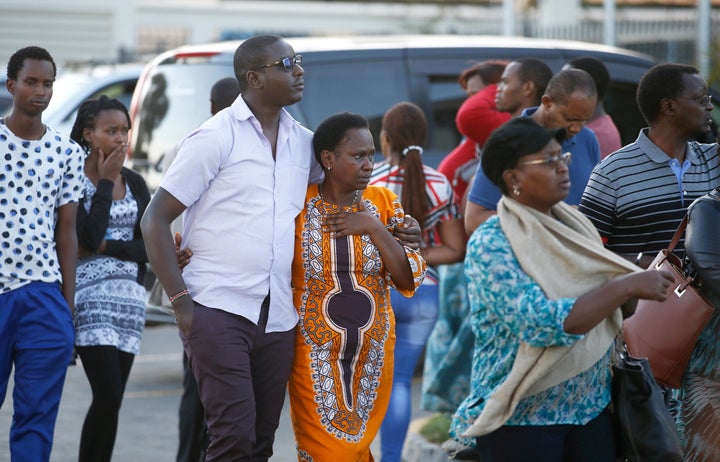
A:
x,y
666,332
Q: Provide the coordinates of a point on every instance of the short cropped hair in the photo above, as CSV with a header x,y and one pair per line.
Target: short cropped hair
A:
x,y
332,130
568,82
224,92
251,54
661,81
509,142
17,60
535,71
596,69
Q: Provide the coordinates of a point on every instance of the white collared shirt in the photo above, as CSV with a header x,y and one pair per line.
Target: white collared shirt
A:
x,y
241,209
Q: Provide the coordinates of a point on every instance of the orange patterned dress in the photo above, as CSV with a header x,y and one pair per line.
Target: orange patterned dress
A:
x,y
341,378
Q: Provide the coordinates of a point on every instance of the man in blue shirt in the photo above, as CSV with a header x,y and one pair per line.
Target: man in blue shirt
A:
x,y
568,102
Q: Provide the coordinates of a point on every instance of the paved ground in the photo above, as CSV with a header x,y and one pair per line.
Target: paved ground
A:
x,y
148,420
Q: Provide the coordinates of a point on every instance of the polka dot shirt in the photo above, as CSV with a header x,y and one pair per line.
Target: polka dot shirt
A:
x,y
36,178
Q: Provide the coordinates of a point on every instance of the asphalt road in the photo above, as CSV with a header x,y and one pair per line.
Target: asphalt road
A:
x,y
149,417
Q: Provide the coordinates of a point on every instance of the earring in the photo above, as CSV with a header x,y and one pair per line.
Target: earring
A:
x,y
329,168
516,190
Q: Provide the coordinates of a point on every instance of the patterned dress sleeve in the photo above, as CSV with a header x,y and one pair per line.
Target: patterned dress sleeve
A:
x,y
509,297
395,216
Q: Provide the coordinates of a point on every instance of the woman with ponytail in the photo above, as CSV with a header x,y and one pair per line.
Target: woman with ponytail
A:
x,y
427,195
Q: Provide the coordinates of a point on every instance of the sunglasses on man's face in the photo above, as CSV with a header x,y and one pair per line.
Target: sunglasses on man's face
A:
x,y
288,63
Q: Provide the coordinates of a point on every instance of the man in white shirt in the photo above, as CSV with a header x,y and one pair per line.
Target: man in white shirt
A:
x,y
242,176
193,441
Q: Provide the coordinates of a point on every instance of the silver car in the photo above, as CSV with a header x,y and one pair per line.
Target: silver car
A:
x,y
72,88
5,96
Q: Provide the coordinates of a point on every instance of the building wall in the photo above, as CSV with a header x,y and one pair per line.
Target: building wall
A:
x,y
101,30
77,31
70,30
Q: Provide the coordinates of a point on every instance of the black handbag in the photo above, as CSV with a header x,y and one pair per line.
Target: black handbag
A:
x,y
644,429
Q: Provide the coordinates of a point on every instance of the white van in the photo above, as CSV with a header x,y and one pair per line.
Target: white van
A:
x,y
365,74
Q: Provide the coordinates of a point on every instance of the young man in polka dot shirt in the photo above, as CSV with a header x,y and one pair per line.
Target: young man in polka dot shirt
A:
x,y
40,185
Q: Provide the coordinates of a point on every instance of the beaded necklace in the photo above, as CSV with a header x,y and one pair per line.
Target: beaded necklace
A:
x,y
328,207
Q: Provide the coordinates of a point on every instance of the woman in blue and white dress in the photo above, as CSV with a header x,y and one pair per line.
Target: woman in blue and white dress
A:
x,y
110,296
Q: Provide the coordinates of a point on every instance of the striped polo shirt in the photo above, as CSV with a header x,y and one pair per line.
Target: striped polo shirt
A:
x,y
637,196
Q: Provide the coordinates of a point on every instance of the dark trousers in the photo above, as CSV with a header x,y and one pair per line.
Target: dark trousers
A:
x,y
242,374
592,442
193,431
107,370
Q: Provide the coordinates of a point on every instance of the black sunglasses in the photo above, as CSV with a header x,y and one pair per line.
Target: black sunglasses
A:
x,y
288,64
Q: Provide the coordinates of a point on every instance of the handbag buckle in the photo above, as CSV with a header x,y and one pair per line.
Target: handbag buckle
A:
x,y
680,290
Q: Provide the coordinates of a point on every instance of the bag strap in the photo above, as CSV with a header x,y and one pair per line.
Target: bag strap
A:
x,y
678,232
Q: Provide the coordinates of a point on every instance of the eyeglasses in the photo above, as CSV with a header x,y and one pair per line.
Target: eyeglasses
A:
x,y
703,100
288,64
551,162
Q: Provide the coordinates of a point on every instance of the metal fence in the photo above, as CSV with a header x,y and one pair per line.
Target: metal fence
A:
x,y
665,40
665,37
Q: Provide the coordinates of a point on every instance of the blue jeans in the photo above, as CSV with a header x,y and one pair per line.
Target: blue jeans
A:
x,y
36,335
414,320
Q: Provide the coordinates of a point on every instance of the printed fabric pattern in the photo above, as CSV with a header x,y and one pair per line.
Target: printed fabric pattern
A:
x,y
37,177
699,395
109,302
504,302
341,379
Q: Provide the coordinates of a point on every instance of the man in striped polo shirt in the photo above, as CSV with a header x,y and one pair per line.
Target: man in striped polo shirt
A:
x,y
637,196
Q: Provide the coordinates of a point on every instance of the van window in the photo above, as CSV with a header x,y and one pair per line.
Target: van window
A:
x,y
446,97
381,83
175,100
66,92
366,87
619,104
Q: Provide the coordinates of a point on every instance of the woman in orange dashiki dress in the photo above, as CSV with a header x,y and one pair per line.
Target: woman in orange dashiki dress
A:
x,y
341,378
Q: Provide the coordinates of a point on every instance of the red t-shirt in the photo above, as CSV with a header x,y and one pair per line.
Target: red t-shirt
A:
x,y
476,119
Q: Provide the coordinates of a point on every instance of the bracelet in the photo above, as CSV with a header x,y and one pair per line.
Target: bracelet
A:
x,y
182,293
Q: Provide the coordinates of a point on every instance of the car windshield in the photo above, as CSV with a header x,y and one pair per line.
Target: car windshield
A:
x,y
175,100
6,101
64,90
